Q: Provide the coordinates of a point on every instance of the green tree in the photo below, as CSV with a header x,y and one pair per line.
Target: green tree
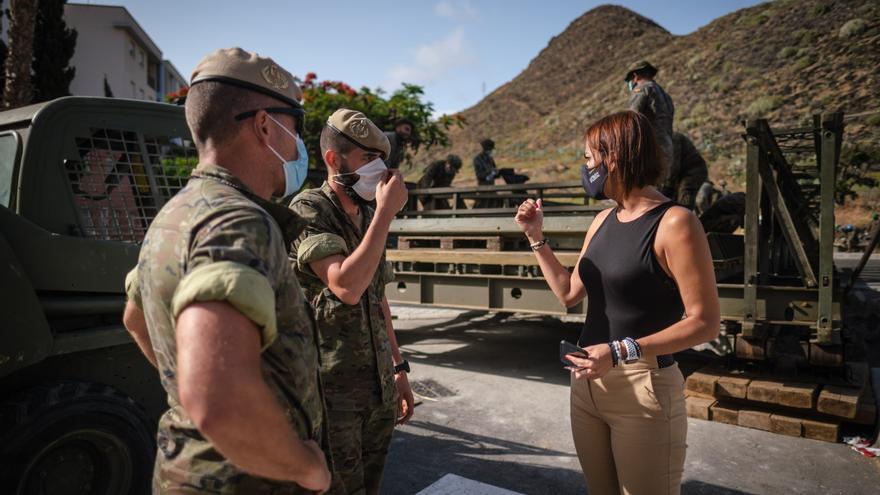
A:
x,y
322,98
856,162
18,88
54,44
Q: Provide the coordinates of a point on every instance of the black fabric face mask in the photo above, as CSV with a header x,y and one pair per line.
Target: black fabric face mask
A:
x,y
594,180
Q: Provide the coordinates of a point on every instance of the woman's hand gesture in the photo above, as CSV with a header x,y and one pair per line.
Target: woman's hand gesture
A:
x,y
530,218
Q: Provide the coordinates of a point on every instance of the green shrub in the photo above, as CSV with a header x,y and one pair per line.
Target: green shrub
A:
x,y
787,52
856,162
696,59
853,27
874,120
754,20
719,84
802,63
753,83
806,37
322,98
821,9
763,105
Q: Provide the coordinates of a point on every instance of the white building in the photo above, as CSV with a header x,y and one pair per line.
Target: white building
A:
x,y
111,46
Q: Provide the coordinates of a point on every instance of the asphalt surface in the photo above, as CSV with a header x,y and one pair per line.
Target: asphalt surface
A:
x,y
496,412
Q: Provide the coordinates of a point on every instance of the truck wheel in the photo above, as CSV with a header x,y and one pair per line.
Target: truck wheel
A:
x,y
75,438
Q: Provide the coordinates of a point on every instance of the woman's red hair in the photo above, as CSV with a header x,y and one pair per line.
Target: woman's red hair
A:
x,y
626,140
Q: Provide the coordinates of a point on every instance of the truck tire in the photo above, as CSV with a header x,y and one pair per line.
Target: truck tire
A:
x,y
75,438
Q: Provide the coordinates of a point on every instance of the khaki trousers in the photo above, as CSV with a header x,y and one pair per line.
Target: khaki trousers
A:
x,y
630,429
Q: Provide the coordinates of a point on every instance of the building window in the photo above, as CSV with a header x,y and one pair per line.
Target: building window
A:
x,y
133,90
142,94
131,48
141,58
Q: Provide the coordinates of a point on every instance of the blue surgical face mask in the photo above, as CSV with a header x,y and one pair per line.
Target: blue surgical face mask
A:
x,y
295,171
631,85
594,179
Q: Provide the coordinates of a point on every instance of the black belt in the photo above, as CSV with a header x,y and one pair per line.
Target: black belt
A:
x,y
665,361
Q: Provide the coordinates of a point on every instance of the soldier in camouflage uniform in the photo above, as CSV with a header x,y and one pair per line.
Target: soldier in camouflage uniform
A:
x,y
439,174
649,99
689,171
398,138
226,321
340,262
486,171
484,164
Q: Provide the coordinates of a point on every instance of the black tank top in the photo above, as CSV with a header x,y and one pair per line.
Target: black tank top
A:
x,y
628,293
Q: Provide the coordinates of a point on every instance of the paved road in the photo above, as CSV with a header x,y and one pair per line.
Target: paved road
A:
x,y
500,417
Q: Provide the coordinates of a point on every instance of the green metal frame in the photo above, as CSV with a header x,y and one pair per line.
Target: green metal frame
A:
x,y
787,259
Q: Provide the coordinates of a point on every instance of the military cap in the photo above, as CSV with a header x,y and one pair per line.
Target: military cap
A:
x,y
641,65
251,71
454,160
487,144
355,127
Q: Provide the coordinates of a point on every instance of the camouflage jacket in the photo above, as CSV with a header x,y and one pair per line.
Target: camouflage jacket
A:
x,y
689,165
649,99
397,150
356,363
484,167
217,241
436,175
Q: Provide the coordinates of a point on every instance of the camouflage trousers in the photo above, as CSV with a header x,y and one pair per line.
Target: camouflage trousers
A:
x,y
359,443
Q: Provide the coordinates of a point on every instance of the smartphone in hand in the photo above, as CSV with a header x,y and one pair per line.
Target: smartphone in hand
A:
x,y
565,348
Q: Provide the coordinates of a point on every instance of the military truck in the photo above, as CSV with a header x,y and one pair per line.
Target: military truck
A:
x,y
781,295
80,180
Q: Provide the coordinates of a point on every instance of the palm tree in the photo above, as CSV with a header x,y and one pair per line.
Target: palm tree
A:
x,y
19,89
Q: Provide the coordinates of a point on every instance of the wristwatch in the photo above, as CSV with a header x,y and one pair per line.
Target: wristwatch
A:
x,y
404,366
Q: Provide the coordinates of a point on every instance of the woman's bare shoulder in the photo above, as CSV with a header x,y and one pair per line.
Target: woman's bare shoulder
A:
x,y
678,222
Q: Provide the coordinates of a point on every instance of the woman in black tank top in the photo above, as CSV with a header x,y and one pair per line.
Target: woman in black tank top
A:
x,y
647,272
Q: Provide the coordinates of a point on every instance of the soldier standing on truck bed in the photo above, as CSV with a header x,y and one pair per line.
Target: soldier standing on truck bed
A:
x,y
649,99
223,317
398,138
486,171
340,261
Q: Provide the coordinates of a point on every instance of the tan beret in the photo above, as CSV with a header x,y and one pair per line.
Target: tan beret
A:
x,y
357,128
250,71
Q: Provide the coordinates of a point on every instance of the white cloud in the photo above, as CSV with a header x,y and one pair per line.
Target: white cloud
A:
x,y
462,10
432,61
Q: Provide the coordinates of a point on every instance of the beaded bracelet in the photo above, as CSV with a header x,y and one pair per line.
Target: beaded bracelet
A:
x,y
538,245
615,357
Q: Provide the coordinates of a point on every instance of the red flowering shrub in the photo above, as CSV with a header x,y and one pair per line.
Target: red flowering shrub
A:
x,y
322,98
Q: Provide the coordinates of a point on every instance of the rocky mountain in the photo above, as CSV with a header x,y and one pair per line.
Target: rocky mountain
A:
x,y
783,60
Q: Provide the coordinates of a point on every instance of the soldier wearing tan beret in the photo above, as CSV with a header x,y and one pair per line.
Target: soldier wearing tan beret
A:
x,y
340,262
215,305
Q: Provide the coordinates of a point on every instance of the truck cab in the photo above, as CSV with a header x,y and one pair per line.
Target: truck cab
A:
x,y
80,181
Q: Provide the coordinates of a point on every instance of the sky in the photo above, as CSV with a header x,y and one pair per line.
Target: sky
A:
x,y
458,50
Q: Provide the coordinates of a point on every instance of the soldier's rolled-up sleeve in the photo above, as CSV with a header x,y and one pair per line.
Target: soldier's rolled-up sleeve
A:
x,y
133,288
319,246
244,288
237,257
